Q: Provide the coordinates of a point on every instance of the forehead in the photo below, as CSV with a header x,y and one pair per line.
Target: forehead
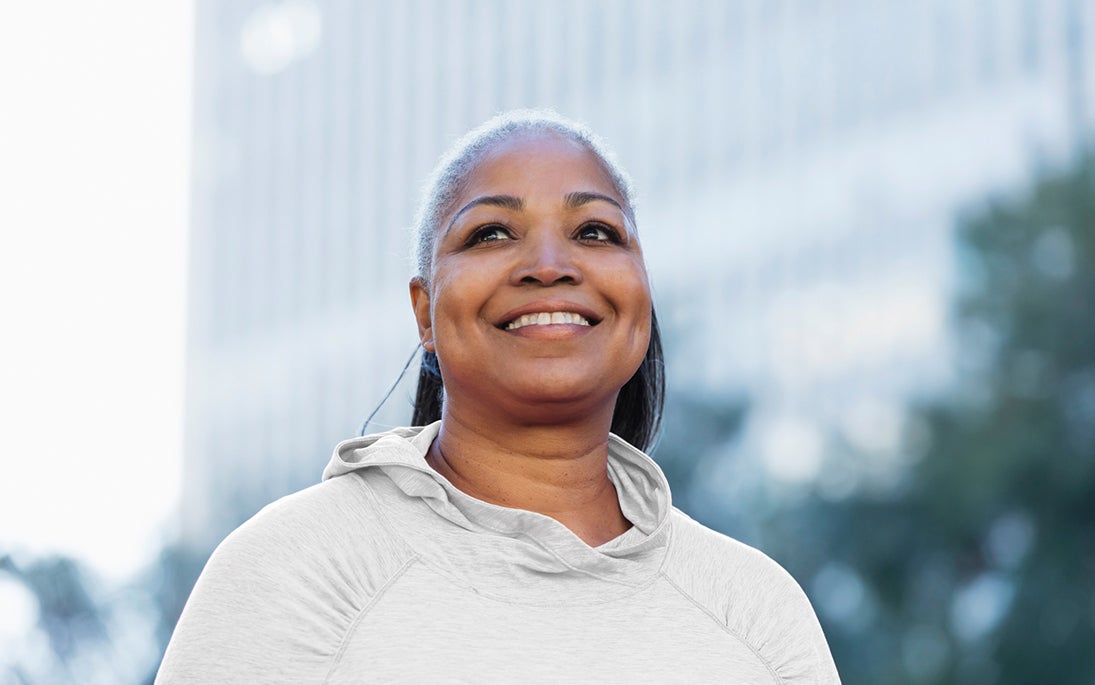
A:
x,y
541,162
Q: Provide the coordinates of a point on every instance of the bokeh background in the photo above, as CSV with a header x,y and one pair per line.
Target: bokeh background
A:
x,y
871,232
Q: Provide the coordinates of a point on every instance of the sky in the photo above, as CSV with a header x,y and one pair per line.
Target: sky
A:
x,y
94,166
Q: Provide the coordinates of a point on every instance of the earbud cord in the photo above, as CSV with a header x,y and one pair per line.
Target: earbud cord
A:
x,y
391,389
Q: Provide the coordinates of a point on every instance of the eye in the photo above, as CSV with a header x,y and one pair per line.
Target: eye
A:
x,y
489,233
598,232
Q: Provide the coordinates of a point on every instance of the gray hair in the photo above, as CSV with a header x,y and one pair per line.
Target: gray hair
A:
x,y
448,177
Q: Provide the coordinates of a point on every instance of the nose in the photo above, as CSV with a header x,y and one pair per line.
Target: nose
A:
x,y
547,260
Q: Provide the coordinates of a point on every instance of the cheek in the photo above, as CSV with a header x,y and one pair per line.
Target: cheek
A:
x,y
640,288
632,286
630,290
458,293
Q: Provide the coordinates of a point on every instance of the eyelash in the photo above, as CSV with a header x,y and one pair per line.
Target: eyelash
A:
x,y
480,235
613,234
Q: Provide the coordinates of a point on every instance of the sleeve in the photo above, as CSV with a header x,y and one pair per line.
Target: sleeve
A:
x,y
269,607
779,620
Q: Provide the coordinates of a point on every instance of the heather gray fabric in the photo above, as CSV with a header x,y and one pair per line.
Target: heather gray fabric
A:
x,y
385,572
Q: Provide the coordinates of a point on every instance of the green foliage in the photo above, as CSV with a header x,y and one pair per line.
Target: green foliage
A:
x,y
982,568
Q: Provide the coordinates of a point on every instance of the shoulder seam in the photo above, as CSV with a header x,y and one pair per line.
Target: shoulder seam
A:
x,y
364,610
726,628
382,515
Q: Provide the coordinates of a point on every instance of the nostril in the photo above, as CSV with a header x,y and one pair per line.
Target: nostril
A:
x,y
549,281
547,266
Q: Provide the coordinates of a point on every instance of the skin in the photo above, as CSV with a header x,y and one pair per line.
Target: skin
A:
x,y
537,227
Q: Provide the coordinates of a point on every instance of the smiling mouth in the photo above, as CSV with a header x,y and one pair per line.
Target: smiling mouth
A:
x,y
547,319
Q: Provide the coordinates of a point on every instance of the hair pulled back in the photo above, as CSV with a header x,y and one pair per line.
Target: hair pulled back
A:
x,y
638,410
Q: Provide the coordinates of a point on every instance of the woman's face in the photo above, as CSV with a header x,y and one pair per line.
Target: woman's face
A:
x,y
539,295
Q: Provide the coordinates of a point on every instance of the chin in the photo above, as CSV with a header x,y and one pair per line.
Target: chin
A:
x,y
580,394
542,393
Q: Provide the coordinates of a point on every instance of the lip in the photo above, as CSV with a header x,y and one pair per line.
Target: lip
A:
x,y
549,306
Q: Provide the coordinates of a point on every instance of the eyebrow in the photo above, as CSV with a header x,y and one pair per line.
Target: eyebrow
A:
x,y
570,201
577,199
505,201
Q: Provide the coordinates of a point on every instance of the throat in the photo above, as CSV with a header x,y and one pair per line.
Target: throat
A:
x,y
575,490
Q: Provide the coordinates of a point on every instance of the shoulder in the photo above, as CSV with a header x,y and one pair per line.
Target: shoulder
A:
x,y
334,516
716,564
281,591
332,531
753,597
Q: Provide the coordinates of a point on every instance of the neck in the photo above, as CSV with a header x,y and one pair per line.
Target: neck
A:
x,y
557,471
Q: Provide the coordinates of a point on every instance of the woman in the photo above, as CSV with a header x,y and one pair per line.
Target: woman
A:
x,y
515,539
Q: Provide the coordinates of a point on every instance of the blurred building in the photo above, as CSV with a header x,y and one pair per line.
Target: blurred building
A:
x,y
798,167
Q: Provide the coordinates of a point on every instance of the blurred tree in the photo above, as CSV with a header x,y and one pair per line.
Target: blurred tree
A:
x,y
67,613
76,628
70,622
979,567
695,429
169,581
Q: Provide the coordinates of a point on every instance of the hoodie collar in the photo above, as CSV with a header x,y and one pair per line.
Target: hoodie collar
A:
x,y
471,540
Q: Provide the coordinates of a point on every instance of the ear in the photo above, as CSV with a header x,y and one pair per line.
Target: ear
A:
x,y
420,303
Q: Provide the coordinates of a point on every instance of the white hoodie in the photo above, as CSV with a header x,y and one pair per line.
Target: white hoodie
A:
x,y
385,572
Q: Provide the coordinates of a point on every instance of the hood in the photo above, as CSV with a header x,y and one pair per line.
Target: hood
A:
x,y
406,446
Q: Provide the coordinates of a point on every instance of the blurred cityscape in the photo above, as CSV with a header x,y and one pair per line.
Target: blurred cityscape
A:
x,y
870,231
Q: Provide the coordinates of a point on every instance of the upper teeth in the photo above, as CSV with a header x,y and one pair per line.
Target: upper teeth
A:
x,y
546,318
